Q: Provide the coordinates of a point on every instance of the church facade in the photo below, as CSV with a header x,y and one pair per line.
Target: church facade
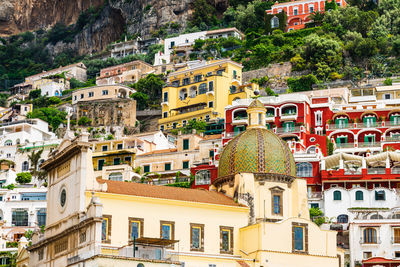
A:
x,y
255,214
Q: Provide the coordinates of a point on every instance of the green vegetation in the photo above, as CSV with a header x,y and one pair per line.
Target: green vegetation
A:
x,y
149,91
199,126
23,178
51,115
84,121
317,216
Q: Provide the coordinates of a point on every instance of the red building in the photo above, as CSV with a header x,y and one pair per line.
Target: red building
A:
x,y
298,12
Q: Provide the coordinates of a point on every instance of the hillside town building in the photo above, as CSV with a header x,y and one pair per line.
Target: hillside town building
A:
x,y
194,227
298,13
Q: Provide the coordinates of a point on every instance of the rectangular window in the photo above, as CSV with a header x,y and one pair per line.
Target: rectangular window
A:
x,y
91,94
128,159
104,92
104,148
211,104
165,98
61,245
146,168
82,237
20,217
185,144
165,114
185,165
311,9
116,161
397,254
197,237
167,230
135,228
106,229
211,86
100,164
119,146
314,205
82,96
167,166
41,254
277,204
33,196
234,74
299,237
396,235
380,195
367,254
41,217
226,236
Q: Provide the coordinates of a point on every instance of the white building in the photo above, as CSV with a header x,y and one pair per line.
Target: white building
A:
x,y
52,88
340,203
18,138
375,238
22,209
188,39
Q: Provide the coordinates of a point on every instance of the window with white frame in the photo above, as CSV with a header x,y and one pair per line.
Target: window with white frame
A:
x,y
304,169
203,177
275,22
318,118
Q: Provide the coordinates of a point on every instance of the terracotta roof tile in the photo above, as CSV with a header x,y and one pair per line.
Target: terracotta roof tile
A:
x,y
168,192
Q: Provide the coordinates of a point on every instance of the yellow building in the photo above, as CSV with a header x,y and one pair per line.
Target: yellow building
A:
x,y
201,92
255,214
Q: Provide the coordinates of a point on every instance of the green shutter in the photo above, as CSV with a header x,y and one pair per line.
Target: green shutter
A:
x,y
167,166
185,165
146,168
185,144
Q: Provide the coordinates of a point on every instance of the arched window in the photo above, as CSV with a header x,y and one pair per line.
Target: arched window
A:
x,y
343,218
376,217
337,195
115,176
359,195
203,177
274,22
202,88
140,265
18,141
304,169
8,143
183,94
193,91
25,166
370,236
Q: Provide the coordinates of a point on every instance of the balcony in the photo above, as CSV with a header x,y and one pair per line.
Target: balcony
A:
x,y
376,171
344,145
295,129
314,195
395,171
369,144
269,117
288,116
340,126
392,139
239,120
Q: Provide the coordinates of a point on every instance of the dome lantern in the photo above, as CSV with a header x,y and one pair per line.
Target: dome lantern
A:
x,y
256,114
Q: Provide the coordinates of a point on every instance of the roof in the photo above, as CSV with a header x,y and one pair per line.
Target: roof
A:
x,y
292,2
233,29
79,64
126,64
387,88
168,192
159,151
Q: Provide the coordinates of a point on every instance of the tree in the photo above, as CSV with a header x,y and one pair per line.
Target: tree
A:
x,y
204,14
34,159
84,121
151,85
51,115
23,178
316,216
141,100
302,83
34,94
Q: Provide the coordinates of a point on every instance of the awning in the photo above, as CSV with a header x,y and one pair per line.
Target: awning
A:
x,y
333,161
375,260
153,241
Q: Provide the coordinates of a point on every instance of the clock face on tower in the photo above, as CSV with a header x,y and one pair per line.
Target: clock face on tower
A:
x,y
63,197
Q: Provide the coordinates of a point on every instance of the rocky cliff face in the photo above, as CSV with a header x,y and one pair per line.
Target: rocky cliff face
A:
x,y
142,17
27,15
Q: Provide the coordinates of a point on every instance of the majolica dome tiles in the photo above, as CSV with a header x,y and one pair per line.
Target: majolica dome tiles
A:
x,y
256,150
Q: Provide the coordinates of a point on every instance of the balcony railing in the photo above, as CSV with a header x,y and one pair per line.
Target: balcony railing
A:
x,y
317,195
395,170
392,138
341,126
344,145
369,144
288,130
376,170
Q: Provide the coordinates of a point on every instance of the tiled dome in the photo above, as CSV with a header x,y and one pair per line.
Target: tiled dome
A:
x,y
256,150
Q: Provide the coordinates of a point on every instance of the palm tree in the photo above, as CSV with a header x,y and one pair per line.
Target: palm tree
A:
x,y
34,158
317,17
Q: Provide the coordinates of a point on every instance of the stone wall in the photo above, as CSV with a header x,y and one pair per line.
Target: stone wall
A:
x,y
279,69
109,112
